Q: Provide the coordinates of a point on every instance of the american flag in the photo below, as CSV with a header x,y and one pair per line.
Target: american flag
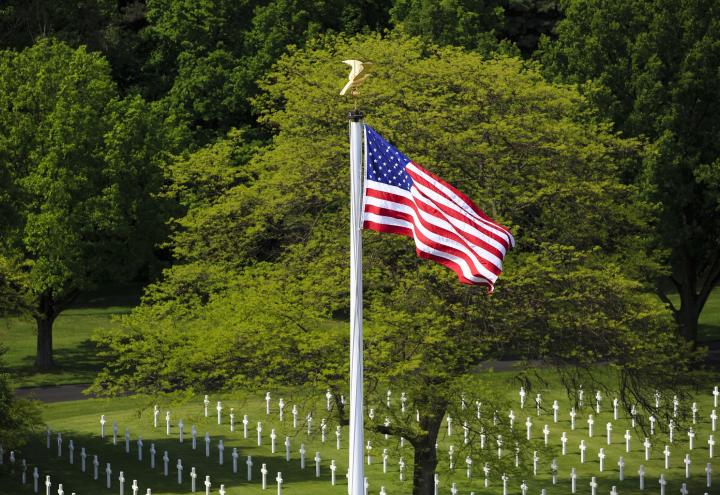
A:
x,y
404,198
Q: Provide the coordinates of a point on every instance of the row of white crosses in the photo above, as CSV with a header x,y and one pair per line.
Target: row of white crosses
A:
x,y
96,464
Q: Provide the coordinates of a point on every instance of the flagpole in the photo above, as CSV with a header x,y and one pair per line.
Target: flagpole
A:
x,y
356,480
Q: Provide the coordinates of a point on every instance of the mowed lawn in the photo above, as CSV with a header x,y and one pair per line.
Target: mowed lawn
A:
x,y
79,421
74,353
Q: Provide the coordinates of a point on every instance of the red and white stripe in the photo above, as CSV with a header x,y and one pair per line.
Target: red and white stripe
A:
x,y
446,226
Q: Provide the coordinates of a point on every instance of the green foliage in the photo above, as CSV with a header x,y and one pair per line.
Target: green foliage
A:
x,y
81,172
468,23
18,418
531,153
651,66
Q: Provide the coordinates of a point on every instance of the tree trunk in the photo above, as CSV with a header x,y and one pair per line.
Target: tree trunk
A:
x,y
694,289
424,472
425,455
44,357
47,311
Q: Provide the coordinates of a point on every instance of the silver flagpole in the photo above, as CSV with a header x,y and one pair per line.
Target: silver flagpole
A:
x,y
356,482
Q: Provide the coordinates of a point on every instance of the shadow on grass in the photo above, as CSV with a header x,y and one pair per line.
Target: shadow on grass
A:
x,y
37,454
81,362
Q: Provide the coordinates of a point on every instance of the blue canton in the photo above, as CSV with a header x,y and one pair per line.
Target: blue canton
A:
x,y
385,163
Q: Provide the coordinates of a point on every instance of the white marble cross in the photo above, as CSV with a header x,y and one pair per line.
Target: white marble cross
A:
x,y
691,438
563,440
259,430
102,426
108,473
687,463
156,413
221,452
583,448
627,437
302,456
711,444
546,433
708,473
207,444
601,456
235,456
593,486
646,444
166,461
245,426
219,409
666,452
206,403
662,484
167,423
179,468
193,476
279,481
317,464
249,464
207,485
590,422
96,465
333,468
608,429
621,469
556,409
287,449
528,427
267,403
264,472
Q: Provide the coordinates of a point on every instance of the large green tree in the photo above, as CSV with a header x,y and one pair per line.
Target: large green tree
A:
x,y
652,67
262,294
79,167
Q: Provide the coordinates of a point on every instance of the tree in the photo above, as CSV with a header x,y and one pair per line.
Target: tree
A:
x,y
18,418
651,67
533,154
80,167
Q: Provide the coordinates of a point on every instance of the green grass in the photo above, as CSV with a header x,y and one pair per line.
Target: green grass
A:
x,y
74,354
710,318
80,421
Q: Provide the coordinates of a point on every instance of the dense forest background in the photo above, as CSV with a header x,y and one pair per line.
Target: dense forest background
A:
x,y
135,135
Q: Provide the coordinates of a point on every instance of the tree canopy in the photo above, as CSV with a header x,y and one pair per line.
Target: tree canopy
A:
x,y
534,155
80,167
652,67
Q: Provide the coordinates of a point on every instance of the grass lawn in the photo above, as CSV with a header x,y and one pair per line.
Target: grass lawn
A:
x,y
710,318
73,352
80,421
75,355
